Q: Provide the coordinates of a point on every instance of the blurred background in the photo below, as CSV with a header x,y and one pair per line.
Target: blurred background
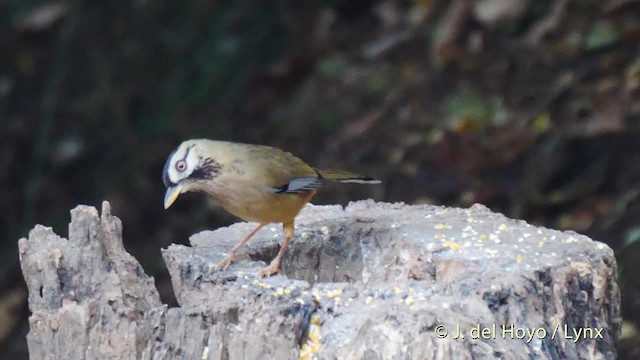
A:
x,y
529,107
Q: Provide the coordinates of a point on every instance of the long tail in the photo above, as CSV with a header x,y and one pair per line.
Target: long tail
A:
x,y
346,177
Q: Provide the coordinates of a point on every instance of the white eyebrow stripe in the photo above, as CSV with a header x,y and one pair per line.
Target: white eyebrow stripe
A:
x,y
174,175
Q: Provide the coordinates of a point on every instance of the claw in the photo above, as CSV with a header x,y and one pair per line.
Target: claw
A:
x,y
225,263
273,268
229,259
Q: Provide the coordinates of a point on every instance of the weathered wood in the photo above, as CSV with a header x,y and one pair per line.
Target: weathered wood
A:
x,y
372,281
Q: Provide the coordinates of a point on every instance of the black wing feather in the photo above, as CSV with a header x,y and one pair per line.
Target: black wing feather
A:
x,y
299,185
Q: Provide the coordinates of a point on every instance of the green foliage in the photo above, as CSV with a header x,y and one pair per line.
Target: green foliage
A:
x,y
238,37
332,67
375,83
469,109
603,34
632,236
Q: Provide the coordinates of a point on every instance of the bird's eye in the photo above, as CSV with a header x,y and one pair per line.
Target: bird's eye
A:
x,y
181,165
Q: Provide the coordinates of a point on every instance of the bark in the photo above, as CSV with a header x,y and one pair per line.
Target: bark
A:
x,y
372,281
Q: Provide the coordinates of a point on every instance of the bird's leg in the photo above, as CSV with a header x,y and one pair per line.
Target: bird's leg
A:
x,y
231,257
274,267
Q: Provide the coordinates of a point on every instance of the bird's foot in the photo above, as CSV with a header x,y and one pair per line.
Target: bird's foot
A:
x,y
273,268
229,259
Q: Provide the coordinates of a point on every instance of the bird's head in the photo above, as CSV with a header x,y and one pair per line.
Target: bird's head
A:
x,y
188,168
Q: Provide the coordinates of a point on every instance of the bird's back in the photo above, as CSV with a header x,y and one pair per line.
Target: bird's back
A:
x,y
251,172
259,163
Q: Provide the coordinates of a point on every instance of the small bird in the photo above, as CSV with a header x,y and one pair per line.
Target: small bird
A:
x,y
256,183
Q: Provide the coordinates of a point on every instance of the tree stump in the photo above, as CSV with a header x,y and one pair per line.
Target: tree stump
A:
x,y
371,281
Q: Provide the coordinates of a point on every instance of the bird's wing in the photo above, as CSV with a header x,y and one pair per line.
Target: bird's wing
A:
x,y
299,185
285,173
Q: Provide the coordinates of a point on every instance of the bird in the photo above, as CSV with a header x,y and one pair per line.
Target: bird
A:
x,y
256,183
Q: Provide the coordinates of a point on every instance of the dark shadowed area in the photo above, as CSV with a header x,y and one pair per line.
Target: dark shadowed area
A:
x,y
528,107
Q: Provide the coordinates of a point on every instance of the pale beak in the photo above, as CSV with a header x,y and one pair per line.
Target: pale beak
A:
x,y
171,195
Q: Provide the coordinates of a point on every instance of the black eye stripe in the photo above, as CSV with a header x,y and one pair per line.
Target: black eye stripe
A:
x,y
207,170
177,166
183,160
186,153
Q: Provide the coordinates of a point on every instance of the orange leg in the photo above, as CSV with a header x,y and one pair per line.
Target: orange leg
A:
x,y
231,257
288,229
274,267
